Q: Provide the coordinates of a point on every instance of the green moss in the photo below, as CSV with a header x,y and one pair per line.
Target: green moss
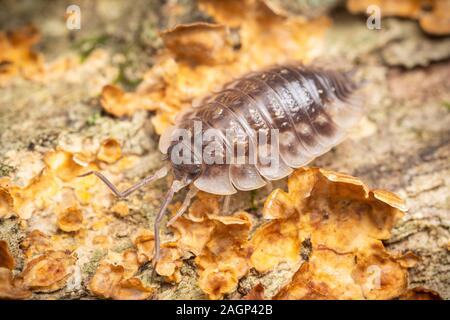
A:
x,y
90,267
124,80
13,235
446,105
93,118
6,170
87,45
124,245
447,203
253,205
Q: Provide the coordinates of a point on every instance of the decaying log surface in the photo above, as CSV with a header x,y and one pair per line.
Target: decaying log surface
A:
x,y
403,144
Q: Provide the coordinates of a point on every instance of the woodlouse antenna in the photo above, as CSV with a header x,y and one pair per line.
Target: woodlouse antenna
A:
x,y
123,194
175,187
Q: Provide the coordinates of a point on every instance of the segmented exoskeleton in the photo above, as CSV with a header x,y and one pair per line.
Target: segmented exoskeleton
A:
x,y
311,110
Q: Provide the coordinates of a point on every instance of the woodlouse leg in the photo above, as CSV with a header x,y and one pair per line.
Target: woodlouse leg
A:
x,y
269,186
156,226
123,194
187,200
226,204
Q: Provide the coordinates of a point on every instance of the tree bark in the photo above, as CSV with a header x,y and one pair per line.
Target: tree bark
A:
x,y
402,145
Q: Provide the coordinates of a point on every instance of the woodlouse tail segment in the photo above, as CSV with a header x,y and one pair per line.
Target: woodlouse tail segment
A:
x,y
123,194
345,102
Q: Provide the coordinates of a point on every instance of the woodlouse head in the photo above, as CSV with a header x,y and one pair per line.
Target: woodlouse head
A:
x,y
185,172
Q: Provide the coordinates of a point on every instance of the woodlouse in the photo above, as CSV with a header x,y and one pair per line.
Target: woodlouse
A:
x,y
311,109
